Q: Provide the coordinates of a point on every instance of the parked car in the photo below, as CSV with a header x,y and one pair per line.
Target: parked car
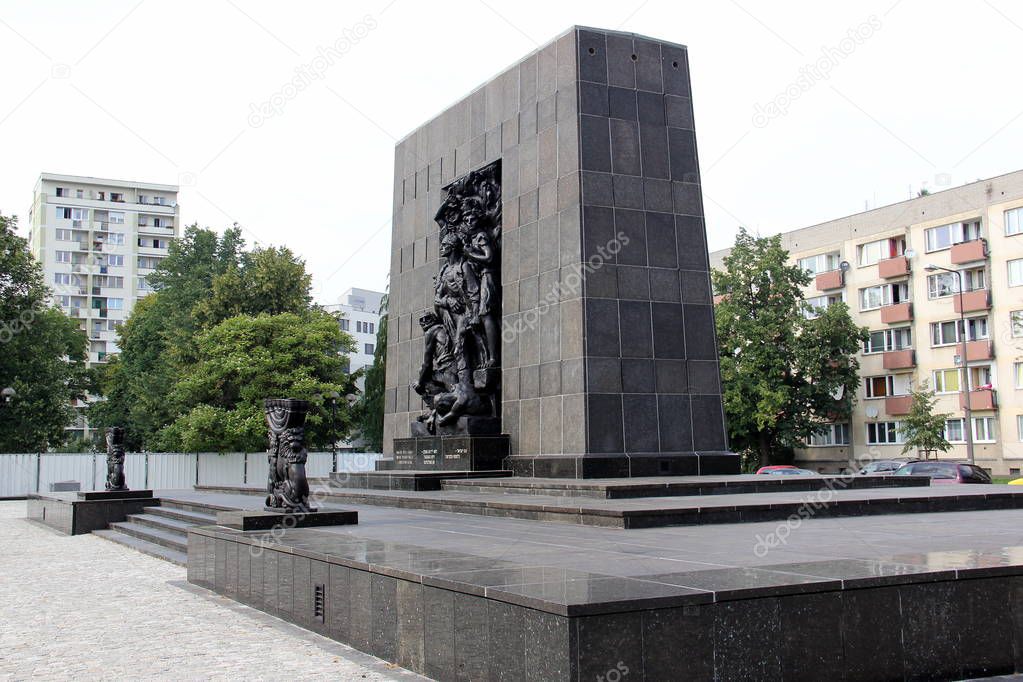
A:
x,y
945,472
883,466
774,467
791,471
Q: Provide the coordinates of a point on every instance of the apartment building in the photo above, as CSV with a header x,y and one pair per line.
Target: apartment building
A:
x,y
877,262
97,239
360,317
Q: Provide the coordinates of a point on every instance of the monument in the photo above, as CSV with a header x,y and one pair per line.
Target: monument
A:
x,y
115,459
286,486
550,303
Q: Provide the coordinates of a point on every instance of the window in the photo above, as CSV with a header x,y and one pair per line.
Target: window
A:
x,y
369,349
63,212
944,236
61,192
115,260
1015,272
65,301
157,222
872,252
143,199
345,325
371,327
116,217
941,285
899,338
822,262
115,238
883,433
1014,221
63,256
115,303
815,305
142,284
984,429
954,431
117,196
65,235
79,194
358,326
834,434
1017,372
1019,427
872,298
1016,322
879,387
947,333
66,279
946,381
980,377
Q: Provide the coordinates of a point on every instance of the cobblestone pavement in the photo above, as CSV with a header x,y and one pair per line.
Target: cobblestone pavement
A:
x,y
85,608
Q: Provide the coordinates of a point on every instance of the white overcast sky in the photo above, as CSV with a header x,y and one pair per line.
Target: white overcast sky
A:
x,y
162,91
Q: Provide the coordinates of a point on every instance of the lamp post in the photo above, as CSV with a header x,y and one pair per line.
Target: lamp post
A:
x,y
332,399
964,381
8,395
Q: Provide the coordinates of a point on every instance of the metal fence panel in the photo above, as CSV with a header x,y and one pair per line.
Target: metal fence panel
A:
x,y
24,473
17,474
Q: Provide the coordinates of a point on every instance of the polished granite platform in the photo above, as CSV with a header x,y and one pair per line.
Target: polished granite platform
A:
x,y
723,507
926,595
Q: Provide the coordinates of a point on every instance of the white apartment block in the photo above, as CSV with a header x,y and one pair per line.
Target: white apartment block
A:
x,y
913,317
360,317
97,239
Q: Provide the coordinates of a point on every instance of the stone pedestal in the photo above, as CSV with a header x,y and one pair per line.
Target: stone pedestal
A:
x,y
447,453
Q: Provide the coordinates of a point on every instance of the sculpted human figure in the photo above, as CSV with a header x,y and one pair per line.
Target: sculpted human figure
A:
x,y
437,373
481,252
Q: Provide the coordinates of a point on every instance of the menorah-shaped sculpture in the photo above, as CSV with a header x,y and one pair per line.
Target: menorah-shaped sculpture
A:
x,y
286,486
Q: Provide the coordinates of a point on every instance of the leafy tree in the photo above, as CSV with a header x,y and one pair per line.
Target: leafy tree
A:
x,y
245,359
787,370
42,353
922,429
158,337
371,407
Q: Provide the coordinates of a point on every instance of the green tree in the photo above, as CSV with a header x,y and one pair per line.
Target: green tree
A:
x,y
370,409
158,337
244,359
42,353
270,280
922,429
787,370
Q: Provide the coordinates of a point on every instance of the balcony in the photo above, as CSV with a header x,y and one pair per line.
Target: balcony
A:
x,y
969,252
893,267
979,350
834,279
980,400
896,405
899,359
898,312
972,301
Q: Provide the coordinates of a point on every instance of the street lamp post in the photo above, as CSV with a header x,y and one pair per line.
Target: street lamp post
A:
x,y
8,395
964,380
332,398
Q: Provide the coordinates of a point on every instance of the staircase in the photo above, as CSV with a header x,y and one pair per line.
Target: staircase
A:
x,y
161,530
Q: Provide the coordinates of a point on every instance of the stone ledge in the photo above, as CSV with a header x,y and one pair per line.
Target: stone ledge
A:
x,y
266,520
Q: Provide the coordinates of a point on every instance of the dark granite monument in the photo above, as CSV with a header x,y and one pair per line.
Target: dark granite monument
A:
x,y
550,301
115,459
287,487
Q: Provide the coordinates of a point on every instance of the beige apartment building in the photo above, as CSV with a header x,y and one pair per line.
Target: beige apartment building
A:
x,y
97,239
876,262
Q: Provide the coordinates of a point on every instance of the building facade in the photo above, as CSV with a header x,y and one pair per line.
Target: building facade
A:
x,y
360,317
877,262
97,239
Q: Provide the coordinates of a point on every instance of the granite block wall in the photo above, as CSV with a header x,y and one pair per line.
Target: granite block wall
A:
x,y
604,262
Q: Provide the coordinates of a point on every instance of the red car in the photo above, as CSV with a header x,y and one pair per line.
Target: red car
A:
x,y
943,473
774,467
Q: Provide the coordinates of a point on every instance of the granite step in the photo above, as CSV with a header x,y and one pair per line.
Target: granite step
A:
x,y
159,551
192,517
175,540
165,523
